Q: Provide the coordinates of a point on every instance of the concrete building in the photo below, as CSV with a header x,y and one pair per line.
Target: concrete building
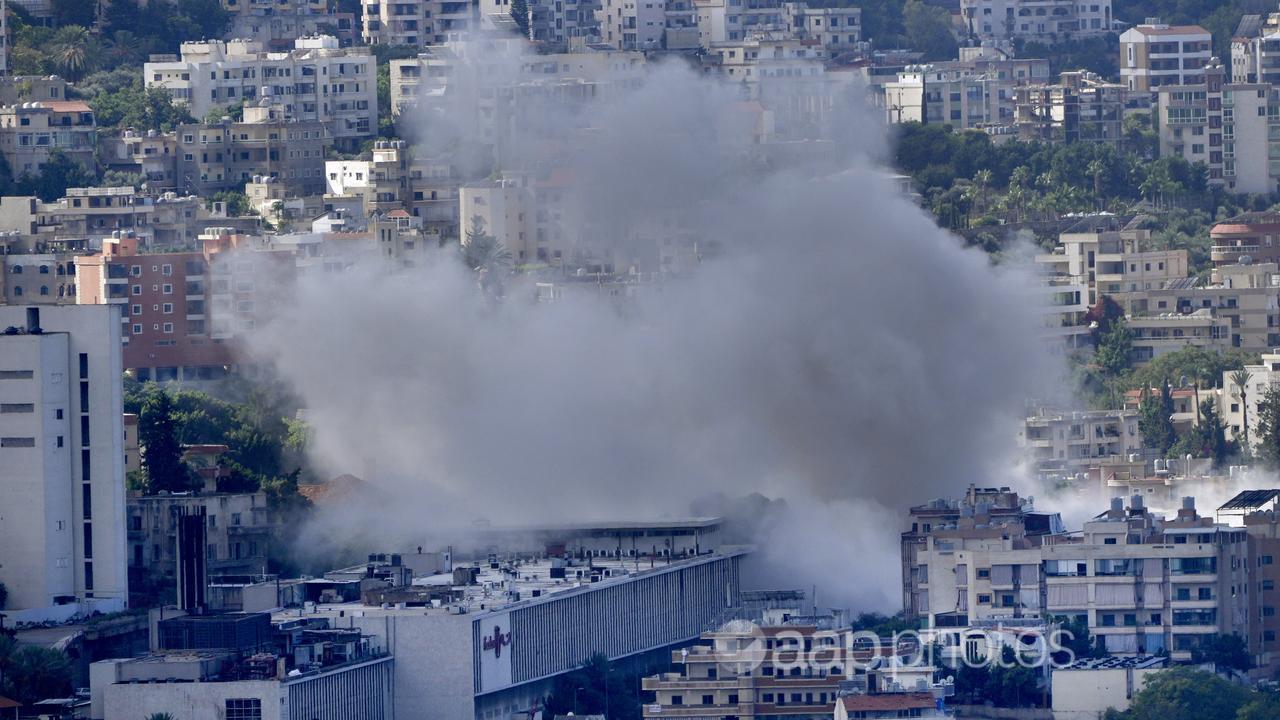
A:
x,y
1071,442
278,23
1141,582
165,222
30,132
151,155
1207,122
417,22
1038,20
215,668
62,548
995,507
835,29
37,279
1255,50
1160,333
239,529
266,143
1081,107
488,639
632,24
1087,689
316,81
1112,256
1155,55
1248,238
1247,297
1239,404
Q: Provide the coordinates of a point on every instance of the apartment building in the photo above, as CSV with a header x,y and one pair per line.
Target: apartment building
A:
x,y
1111,256
1080,107
31,131
278,23
37,279
225,156
239,528
1257,511
931,94
556,25
1247,297
836,29
1255,50
393,180
1207,122
315,81
1064,304
151,154
62,548
1141,582
1071,442
1154,55
1159,333
1241,404
704,681
417,22
1247,238
96,213
633,24
1038,20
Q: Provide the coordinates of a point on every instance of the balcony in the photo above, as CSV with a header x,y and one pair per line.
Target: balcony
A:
x,y
1228,254
697,711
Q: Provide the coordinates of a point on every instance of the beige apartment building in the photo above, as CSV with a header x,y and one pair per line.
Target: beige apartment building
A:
x,y
1111,256
1248,238
37,279
239,528
225,156
278,23
30,131
1141,582
165,221
1247,297
1156,55
151,154
416,22
1160,333
1241,403
315,81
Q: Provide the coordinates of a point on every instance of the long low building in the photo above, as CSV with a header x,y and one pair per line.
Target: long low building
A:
x,y
489,639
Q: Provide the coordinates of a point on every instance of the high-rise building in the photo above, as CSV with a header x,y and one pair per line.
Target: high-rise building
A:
x,y
62,529
1154,55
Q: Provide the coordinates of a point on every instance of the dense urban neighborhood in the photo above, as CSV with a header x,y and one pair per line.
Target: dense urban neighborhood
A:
x,y
623,359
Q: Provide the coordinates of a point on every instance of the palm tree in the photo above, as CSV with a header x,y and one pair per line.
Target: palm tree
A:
x,y
1240,378
1096,169
482,251
73,51
160,716
982,179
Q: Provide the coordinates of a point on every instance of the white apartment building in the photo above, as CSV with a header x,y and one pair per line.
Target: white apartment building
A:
x,y
1039,20
1155,55
632,24
417,22
836,29
317,81
1225,126
1141,582
62,542
1071,442
1241,403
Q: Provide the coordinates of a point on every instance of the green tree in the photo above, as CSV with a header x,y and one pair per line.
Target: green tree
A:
x,y
1155,419
1240,381
482,251
1114,348
596,688
58,173
1208,439
1226,652
31,673
1262,706
1182,693
928,29
1266,442
161,453
236,202
75,51
520,14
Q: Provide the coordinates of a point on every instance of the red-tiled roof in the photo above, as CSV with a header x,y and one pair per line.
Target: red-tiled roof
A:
x,y
398,214
888,701
67,105
7,703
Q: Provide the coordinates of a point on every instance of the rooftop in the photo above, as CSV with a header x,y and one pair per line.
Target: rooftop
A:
x,y
1118,663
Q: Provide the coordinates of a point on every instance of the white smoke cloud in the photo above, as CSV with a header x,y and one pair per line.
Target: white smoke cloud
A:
x,y
841,353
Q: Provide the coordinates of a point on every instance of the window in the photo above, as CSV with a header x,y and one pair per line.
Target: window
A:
x,y
708,700
168,327
17,408
249,709
17,442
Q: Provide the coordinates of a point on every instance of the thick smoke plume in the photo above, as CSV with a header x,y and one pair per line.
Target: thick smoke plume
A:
x,y
838,352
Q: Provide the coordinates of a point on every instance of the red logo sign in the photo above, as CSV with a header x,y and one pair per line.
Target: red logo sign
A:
x,y
496,641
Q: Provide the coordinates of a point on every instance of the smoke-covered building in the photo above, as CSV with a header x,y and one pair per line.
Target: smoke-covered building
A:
x,y
487,639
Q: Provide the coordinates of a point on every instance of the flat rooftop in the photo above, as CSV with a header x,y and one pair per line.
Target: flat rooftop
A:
x,y
514,583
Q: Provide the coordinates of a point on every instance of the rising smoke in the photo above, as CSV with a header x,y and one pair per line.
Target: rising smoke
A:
x,y
839,352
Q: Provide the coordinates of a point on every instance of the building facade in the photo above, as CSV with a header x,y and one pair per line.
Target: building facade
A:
x,y
61,461
1156,55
